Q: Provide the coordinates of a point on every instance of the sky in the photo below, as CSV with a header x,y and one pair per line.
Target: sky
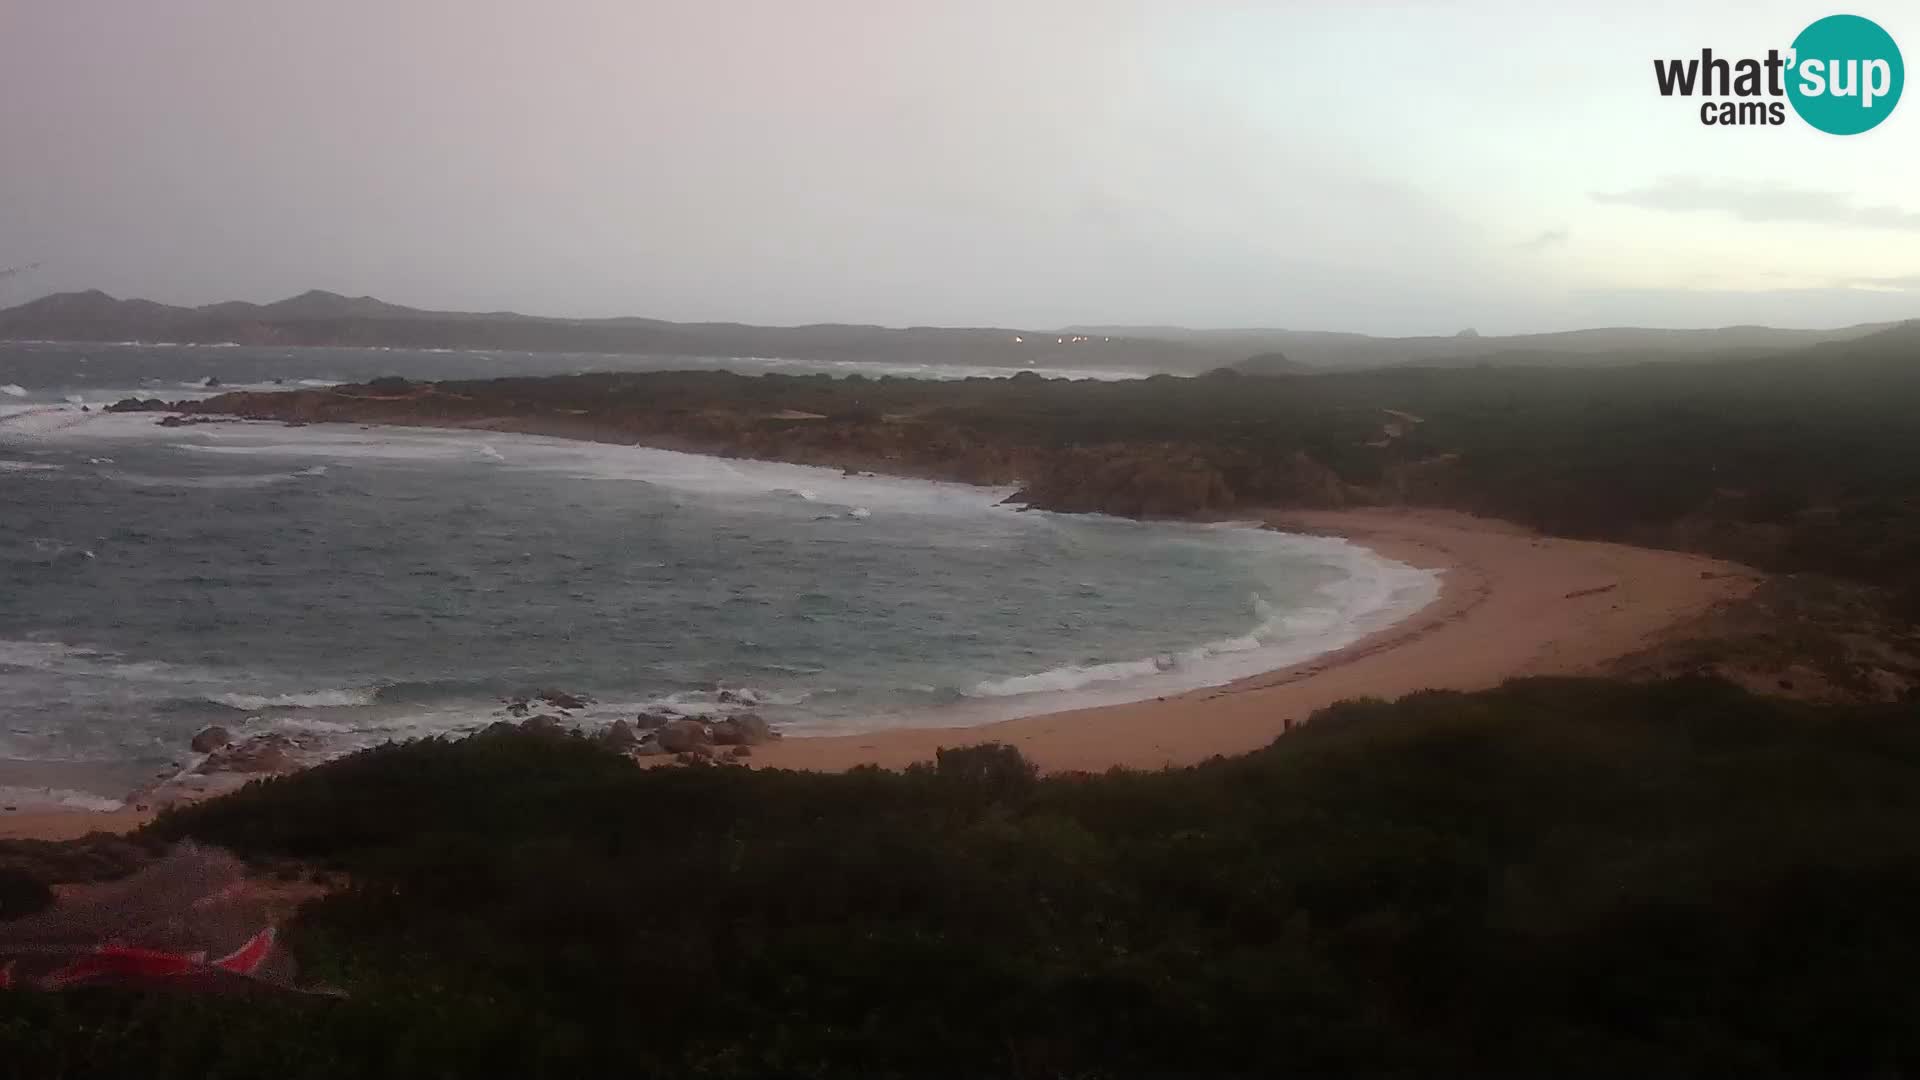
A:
x,y
1389,169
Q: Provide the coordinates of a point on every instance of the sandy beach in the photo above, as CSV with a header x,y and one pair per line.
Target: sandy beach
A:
x,y
1512,604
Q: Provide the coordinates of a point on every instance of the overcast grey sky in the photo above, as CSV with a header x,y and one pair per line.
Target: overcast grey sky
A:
x,y
1389,169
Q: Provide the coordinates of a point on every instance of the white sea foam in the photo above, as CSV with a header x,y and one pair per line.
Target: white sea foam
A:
x,y
1370,593
216,483
56,798
669,469
61,658
1071,677
312,699
13,390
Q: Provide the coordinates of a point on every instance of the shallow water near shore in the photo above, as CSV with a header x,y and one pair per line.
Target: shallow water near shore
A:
x,y
348,585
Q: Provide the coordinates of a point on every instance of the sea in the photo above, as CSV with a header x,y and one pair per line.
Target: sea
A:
x,y
350,586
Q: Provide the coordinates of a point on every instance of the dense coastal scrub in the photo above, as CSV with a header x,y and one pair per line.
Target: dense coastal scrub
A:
x,y
1807,461
1574,876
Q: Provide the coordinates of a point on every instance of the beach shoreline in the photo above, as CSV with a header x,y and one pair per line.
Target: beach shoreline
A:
x,y
1512,603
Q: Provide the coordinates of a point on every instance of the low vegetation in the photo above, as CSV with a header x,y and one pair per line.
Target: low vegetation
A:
x,y
1807,461
1566,876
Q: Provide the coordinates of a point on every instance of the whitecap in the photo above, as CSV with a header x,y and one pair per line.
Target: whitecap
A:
x,y
312,699
1068,677
13,390
63,798
1369,594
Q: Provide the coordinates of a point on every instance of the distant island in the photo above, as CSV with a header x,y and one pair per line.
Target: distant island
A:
x,y
318,318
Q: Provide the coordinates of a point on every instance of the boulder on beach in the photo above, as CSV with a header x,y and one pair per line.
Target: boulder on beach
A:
x,y
543,724
649,747
746,729
618,736
271,754
499,727
211,739
560,699
682,736
653,720
740,752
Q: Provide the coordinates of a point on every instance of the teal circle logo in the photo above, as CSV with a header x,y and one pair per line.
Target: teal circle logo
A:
x,y
1846,75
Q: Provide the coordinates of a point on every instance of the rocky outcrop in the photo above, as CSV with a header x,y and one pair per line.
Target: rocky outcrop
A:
x,y
211,739
654,720
683,736
560,699
271,755
131,404
744,729
618,736
543,724
1130,481
1176,467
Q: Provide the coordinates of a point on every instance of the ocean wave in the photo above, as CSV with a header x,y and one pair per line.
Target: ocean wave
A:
x,y
58,657
13,390
62,798
1371,594
217,483
696,474
311,699
1071,677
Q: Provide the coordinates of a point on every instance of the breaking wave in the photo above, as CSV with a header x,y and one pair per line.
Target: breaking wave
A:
x,y
312,699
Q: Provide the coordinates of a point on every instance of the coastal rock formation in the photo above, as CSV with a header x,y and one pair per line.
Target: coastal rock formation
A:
x,y
683,736
131,404
619,736
211,739
543,724
269,754
746,729
560,699
1194,472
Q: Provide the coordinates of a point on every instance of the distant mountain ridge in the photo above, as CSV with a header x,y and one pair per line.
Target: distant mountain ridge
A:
x,y
319,318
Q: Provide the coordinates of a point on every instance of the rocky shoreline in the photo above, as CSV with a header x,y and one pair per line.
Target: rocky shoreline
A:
x,y
777,418
651,737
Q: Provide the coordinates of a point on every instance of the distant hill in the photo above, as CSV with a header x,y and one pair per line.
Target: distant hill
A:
x,y
323,318
1269,363
320,318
